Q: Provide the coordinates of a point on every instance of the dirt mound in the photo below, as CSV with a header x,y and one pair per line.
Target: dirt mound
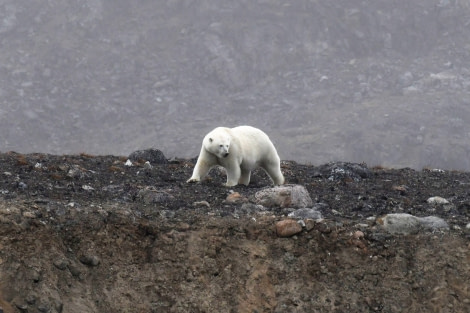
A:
x,y
82,233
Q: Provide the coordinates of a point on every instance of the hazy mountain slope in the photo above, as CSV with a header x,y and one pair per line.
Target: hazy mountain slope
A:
x,y
384,82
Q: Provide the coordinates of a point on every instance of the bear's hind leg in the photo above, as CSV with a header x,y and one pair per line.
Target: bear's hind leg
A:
x,y
274,171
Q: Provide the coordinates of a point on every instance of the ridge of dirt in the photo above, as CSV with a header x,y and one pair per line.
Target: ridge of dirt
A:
x,y
83,233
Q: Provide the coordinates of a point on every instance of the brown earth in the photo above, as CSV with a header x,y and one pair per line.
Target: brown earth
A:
x,y
82,233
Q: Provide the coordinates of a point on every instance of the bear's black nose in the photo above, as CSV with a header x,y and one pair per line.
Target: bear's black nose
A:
x,y
226,155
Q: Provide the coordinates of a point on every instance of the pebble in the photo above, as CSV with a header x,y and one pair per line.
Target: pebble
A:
x,y
288,228
61,264
202,203
75,271
31,299
29,214
401,188
75,171
437,200
236,197
87,188
90,260
35,275
324,228
309,224
22,306
358,234
151,195
44,308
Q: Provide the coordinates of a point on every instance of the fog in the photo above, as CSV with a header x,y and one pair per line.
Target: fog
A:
x,y
382,82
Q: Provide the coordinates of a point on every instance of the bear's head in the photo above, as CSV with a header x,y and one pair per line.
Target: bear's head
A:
x,y
218,143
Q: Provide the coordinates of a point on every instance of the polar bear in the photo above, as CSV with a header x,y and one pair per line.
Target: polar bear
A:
x,y
239,150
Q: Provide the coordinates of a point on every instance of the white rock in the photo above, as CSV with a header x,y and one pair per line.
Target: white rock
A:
x,y
202,203
128,163
87,188
306,213
437,200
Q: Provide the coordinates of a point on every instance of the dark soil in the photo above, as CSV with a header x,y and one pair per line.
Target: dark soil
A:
x,y
82,233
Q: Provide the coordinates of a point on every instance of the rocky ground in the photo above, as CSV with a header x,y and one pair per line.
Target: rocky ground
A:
x,y
83,233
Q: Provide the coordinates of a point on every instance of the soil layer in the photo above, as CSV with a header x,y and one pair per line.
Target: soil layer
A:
x,y
83,233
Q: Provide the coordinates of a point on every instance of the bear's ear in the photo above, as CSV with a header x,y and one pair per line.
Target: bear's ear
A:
x,y
210,139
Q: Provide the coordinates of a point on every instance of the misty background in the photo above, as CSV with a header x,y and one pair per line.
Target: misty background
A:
x,y
384,82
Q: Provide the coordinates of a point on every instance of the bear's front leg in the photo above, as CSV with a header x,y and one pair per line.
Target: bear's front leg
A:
x,y
233,175
204,163
245,177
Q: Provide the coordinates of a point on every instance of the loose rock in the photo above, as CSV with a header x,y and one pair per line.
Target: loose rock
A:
x,y
309,224
151,195
154,156
90,260
61,264
402,223
358,234
286,196
433,223
343,170
288,228
437,200
202,204
306,213
236,197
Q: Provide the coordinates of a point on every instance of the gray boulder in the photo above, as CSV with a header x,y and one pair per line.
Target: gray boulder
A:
x,y
154,156
286,196
402,223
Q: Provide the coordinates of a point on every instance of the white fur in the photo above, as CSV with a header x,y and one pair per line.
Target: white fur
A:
x,y
239,150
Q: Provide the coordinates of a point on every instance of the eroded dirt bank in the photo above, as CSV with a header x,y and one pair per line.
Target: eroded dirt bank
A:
x,y
89,234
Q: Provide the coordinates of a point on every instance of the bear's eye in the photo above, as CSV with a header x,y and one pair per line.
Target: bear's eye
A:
x,y
221,146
